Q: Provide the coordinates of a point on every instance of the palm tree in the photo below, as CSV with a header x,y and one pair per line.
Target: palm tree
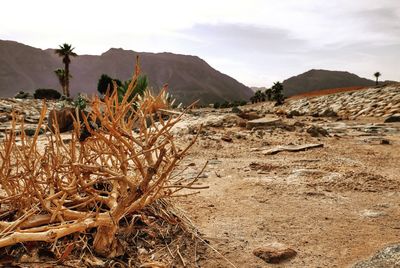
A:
x,y
268,94
277,94
377,75
60,73
66,51
140,87
258,96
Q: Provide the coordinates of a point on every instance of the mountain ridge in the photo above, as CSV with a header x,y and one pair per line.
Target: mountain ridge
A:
x,y
319,79
23,67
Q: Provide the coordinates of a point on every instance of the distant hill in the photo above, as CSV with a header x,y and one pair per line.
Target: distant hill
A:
x,y
323,79
189,78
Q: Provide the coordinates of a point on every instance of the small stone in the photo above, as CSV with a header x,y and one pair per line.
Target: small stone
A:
x,y
6,108
214,162
249,115
316,131
385,142
240,136
32,131
328,113
294,113
5,118
32,119
393,118
240,122
265,122
291,148
367,213
275,253
226,138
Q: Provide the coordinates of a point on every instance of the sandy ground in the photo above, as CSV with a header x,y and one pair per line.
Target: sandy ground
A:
x,y
334,205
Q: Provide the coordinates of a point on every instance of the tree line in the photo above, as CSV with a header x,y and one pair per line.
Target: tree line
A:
x,y
275,93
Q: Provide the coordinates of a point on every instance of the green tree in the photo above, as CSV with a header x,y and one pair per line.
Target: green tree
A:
x,y
377,75
268,94
258,97
66,52
61,75
277,94
106,82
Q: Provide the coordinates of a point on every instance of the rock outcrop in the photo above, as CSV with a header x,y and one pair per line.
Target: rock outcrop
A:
x,y
371,102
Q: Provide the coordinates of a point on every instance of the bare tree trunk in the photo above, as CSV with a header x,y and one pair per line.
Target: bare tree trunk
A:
x,y
105,241
66,80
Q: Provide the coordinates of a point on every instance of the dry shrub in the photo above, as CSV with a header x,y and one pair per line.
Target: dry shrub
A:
x,y
57,189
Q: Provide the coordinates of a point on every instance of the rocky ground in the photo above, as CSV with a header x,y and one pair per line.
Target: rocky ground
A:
x,y
373,102
335,206
27,110
309,188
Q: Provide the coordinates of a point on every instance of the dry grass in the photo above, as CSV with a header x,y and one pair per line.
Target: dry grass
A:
x,y
91,193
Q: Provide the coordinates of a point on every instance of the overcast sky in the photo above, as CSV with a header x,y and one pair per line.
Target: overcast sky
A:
x,y
254,41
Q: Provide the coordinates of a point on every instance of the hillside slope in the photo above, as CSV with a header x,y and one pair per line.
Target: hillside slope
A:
x,y
189,77
368,102
322,79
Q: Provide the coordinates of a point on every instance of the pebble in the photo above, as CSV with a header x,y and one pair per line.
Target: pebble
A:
x,y
367,213
274,253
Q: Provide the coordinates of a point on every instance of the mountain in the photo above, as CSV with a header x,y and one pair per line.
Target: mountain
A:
x,y
322,79
189,78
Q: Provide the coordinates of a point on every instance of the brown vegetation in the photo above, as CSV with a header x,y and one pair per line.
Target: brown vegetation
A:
x,y
97,188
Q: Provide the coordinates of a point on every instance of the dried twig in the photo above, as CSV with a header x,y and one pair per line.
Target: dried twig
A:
x,y
57,189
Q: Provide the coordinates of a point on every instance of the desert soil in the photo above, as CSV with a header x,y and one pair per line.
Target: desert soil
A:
x,y
335,205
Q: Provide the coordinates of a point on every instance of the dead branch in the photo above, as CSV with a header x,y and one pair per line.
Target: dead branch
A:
x,y
56,189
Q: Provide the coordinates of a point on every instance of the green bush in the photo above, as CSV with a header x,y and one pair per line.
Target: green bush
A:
x,y
47,93
226,104
81,102
23,95
140,87
106,82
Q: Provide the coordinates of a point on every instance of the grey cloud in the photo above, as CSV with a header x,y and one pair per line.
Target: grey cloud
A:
x,y
276,53
246,38
381,20
361,58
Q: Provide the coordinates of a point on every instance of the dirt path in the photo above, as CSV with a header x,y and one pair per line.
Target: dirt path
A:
x,y
334,205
